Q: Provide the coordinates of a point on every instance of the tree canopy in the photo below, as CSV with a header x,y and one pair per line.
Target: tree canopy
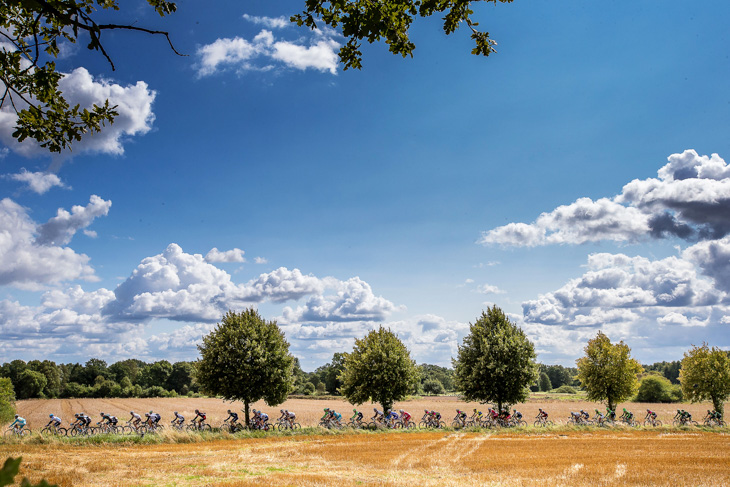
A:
x,y
705,375
7,400
379,369
246,358
359,20
607,371
496,362
34,29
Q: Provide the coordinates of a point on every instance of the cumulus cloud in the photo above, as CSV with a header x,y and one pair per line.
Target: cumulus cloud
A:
x,y
38,182
616,283
133,102
233,255
27,264
270,22
260,260
265,52
60,229
354,300
690,200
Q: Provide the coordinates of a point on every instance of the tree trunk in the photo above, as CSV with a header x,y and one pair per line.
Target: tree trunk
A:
x,y
718,405
245,410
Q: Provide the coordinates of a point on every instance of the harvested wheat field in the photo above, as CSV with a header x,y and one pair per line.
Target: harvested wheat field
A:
x,y
309,411
425,458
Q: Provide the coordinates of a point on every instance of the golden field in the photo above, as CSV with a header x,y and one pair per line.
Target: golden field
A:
x,y
309,411
621,457
553,457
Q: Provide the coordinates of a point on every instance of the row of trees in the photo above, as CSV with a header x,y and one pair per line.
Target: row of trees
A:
x,y
126,378
246,358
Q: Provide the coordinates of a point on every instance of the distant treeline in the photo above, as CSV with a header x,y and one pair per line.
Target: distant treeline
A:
x,y
135,378
127,378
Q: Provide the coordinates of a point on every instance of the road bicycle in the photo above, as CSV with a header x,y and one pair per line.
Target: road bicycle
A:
x,y
542,421
76,429
286,424
199,426
17,432
131,428
53,430
652,421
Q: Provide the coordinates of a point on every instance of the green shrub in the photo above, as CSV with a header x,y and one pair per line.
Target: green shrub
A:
x,y
433,386
564,390
655,388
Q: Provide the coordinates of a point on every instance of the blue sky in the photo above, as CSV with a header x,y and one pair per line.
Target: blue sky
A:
x,y
576,178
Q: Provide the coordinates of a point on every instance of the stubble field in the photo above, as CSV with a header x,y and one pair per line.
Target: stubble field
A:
x,y
547,458
309,411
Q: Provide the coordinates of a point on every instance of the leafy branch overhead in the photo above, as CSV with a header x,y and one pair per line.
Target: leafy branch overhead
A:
x,y
374,20
30,34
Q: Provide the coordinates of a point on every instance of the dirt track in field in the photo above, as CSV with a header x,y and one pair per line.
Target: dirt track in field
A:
x,y
309,411
626,457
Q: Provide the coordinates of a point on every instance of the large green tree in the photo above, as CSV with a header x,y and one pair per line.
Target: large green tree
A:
x,y
496,361
246,358
359,20
379,369
705,375
7,400
607,371
34,29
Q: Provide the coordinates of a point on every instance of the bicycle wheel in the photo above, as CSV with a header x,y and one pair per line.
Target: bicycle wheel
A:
x,y
141,430
456,424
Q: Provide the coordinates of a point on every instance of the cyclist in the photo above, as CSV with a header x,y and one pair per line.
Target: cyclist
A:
x,y
650,415
263,418
178,420
599,416
356,417
135,419
155,418
86,419
584,416
542,414
283,415
202,417
55,420
461,416
576,417
233,417
610,414
436,416
378,416
405,417
79,422
627,416
20,422
476,415
291,415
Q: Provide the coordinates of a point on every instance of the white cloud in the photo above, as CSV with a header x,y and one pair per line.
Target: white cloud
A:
x,y
319,53
260,260
38,182
689,200
133,102
60,229
270,22
26,264
353,301
233,255
489,289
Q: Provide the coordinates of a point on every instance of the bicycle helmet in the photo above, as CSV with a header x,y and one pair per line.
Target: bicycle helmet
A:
x,y
76,415
401,411
131,412
354,410
50,415
375,409
101,414
229,411
199,411
175,413
281,410
326,410
147,414
150,411
17,416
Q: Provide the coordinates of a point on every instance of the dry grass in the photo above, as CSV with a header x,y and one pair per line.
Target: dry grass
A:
x,y
431,459
309,411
